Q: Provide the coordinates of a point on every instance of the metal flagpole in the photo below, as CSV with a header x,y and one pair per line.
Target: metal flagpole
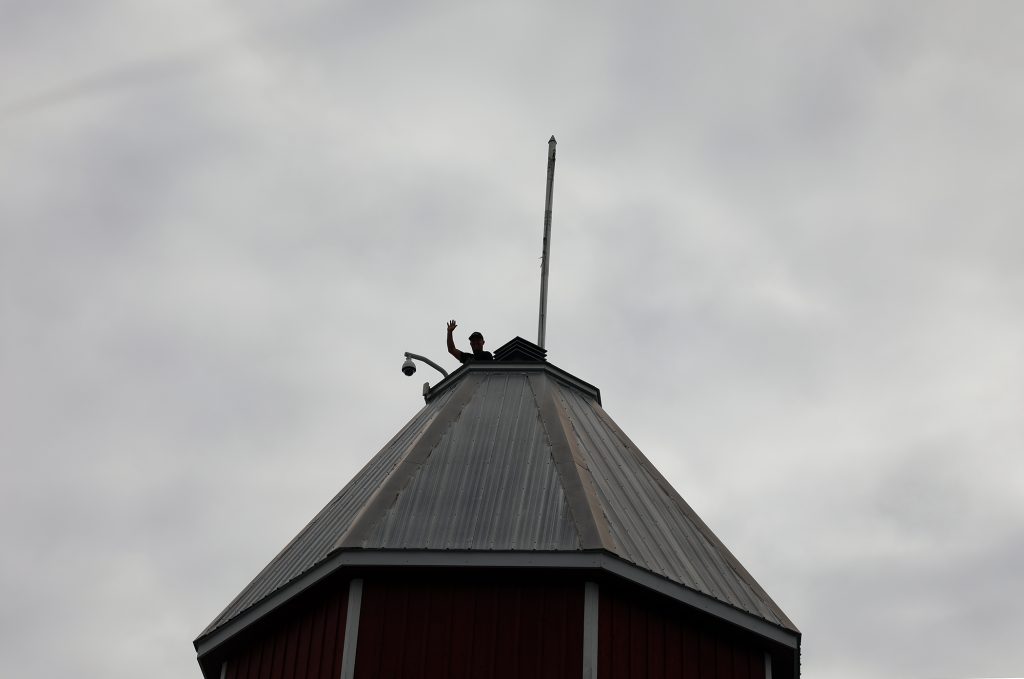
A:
x,y
545,259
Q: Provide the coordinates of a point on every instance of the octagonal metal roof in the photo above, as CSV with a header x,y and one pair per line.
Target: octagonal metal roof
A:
x,y
513,458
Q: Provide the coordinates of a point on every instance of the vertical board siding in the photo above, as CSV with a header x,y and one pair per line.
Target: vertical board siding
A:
x,y
304,644
470,628
640,636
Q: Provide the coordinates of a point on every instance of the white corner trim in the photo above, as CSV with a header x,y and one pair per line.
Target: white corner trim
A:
x,y
591,604
348,649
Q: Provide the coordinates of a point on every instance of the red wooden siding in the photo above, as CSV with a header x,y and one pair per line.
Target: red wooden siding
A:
x,y
641,636
304,643
472,628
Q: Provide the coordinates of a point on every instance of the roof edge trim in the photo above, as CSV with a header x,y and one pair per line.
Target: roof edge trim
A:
x,y
597,560
219,620
685,507
493,367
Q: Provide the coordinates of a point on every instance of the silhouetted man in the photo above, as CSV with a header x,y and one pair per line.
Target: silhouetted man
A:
x,y
476,342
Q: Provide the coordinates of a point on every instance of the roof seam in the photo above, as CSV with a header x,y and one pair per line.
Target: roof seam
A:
x,y
577,482
698,523
362,525
322,521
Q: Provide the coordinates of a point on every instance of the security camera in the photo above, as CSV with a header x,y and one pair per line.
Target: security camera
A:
x,y
408,367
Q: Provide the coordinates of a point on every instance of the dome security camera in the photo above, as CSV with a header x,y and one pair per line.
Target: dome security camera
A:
x,y
408,367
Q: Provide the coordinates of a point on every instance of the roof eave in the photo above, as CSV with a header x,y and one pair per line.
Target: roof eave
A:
x,y
516,367
596,560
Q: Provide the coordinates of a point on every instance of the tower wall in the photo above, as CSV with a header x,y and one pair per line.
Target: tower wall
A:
x,y
644,635
495,624
459,626
304,641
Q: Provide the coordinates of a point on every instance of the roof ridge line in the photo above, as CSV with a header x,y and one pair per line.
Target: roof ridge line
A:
x,y
698,522
310,525
577,482
400,477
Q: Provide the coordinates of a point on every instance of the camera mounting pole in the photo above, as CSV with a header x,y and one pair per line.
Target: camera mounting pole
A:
x,y
409,368
545,258
427,361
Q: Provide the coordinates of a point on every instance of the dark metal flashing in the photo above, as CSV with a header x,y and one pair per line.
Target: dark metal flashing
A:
x,y
597,560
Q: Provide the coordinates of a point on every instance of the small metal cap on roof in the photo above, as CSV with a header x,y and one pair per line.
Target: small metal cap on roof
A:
x,y
519,350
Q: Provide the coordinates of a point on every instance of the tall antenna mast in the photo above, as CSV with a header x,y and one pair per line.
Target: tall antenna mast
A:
x,y
545,259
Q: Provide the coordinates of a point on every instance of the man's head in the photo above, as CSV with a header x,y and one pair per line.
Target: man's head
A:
x,y
476,342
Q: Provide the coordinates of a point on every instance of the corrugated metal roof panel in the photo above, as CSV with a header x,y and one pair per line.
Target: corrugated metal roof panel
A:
x,y
489,484
650,524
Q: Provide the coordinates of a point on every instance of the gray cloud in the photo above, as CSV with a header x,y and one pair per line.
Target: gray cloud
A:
x,y
785,248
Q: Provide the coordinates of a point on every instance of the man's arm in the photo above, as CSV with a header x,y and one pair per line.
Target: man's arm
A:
x,y
451,342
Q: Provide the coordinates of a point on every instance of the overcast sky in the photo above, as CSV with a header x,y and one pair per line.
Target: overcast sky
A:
x,y
787,247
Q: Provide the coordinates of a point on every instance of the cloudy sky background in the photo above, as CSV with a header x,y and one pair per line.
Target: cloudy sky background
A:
x,y
786,247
